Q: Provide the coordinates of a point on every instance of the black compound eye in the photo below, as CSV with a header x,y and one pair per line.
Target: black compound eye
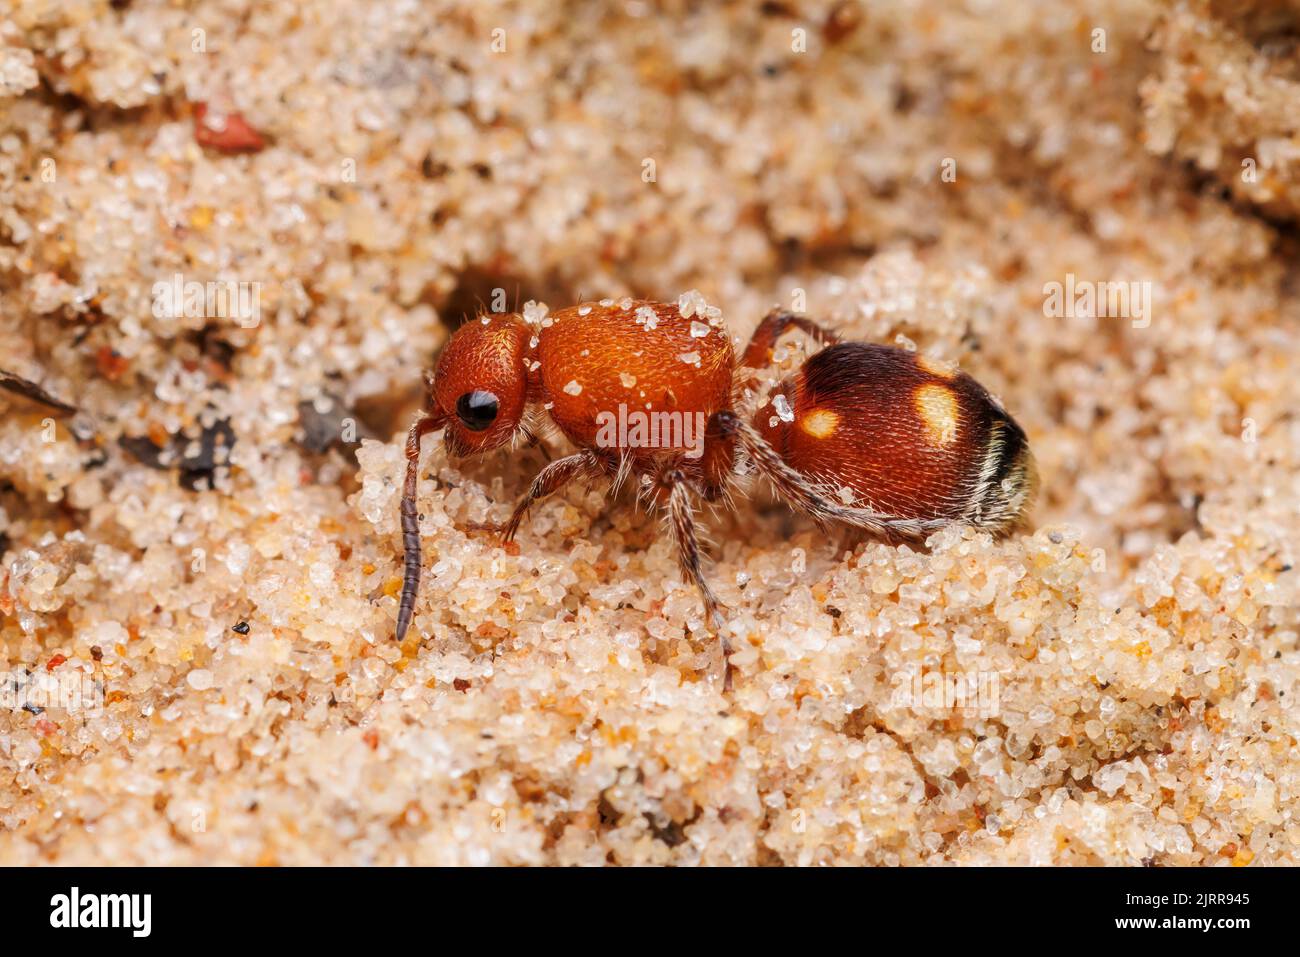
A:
x,y
477,410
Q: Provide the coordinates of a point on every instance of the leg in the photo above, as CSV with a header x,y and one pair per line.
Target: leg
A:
x,y
411,521
717,464
534,441
688,558
759,352
803,494
548,481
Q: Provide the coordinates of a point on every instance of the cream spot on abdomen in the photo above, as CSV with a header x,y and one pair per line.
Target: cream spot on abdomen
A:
x,y
820,423
937,407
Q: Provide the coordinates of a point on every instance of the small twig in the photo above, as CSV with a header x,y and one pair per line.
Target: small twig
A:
x,y
30,390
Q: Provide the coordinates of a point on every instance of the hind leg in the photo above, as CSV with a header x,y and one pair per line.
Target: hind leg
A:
x,y
758,354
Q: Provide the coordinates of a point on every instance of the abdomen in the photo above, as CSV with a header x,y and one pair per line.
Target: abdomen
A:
x,y
887,429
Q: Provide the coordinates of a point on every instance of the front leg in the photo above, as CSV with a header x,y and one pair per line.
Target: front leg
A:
x,y
688,558
534,441
548,481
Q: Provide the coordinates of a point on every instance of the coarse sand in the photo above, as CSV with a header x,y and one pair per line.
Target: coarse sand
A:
x,y
208,552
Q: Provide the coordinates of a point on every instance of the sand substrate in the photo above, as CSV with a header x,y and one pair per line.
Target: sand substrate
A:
x,y
212,543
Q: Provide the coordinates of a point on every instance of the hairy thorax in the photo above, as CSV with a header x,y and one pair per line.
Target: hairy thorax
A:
x,y
635,380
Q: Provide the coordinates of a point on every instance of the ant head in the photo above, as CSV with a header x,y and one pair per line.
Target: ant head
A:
x,y
481,386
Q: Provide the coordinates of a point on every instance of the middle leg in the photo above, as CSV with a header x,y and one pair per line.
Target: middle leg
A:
x,y
682,515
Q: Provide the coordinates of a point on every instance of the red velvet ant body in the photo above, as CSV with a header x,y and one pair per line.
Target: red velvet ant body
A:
x,y
867,436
